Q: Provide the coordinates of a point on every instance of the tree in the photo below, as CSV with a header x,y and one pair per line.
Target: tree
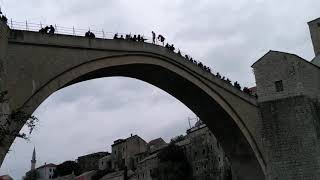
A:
x,y
173,164
16,116
31,175
66,168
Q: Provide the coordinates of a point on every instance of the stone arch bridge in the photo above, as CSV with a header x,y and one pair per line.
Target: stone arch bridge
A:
x,y
33,66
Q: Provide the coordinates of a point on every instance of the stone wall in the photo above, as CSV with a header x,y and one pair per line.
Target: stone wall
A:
x,y
291,135
290,115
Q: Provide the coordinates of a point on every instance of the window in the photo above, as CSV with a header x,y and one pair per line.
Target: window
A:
x,y
279,86
203,151
195,153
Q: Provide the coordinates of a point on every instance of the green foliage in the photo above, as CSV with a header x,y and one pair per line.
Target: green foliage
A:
x,y
66,168
177,139
31,175
18,116
173,164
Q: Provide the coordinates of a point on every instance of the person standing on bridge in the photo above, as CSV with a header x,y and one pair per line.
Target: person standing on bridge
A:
x,y
161,39
51,29
3,18
153,37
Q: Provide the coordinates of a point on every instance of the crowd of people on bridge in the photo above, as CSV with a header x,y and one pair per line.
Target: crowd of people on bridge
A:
x,y
171,47
129,37
47,30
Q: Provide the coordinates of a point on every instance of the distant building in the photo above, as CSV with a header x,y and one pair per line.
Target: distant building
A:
x,y
156,144
105,163
147,166
204,153
124,151
91,161
202,150
46,171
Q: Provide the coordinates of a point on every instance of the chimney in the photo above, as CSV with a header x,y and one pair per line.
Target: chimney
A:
x,y
314,27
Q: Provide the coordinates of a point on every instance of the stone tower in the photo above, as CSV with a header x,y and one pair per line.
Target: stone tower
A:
x,y
33,161
289,103
314,27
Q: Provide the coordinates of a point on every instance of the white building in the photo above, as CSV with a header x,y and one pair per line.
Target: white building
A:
x,y
46,171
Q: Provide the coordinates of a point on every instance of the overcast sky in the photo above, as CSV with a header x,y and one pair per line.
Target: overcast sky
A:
x,y
87,117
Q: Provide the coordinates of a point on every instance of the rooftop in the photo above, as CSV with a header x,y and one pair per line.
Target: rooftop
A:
x,y
47,165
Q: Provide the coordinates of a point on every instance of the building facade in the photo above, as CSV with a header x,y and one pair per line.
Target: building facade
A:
x,y
91,161
203,152
46,171
124,151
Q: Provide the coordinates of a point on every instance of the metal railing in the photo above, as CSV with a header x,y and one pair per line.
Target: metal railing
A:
x,y
28,26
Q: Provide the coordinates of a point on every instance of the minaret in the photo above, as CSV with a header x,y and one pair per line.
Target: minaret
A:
x,y
33,161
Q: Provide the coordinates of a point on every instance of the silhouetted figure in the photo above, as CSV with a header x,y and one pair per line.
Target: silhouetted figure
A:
x,y
179,53
139,38
247,90
143,39
172,48
44,30
121,37
134,38
51,29
228,80
115,36
237,85
89,34
191,59
92,35
223,78
187,57
218,75
200,64
3,18
167,46
161,39
153,37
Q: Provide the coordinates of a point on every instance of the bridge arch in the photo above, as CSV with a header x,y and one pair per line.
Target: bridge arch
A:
x,y
226,112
